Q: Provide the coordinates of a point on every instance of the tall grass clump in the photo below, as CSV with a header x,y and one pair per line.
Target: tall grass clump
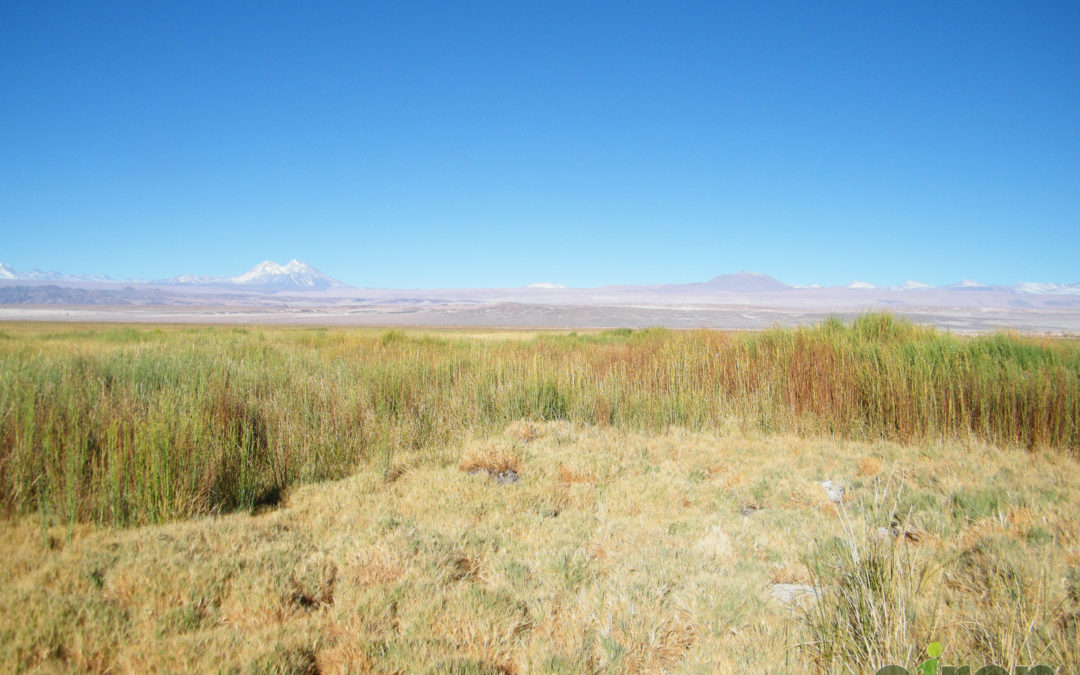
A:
x,y
131,425
882,600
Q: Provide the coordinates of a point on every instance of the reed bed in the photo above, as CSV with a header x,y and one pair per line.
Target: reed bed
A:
x,y
136,425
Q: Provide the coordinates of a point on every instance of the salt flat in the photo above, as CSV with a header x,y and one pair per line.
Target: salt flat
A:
x,y
532,315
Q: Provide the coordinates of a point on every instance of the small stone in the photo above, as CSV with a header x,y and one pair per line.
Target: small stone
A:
x,y
793,593
717,544
750,510
884,534
834,490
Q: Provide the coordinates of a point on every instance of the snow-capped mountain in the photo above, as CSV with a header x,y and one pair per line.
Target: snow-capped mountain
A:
x,y
546,285
294,274
193,279
268,275
910,286
861,285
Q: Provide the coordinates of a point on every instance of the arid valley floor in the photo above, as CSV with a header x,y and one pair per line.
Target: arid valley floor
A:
x,y
1047,321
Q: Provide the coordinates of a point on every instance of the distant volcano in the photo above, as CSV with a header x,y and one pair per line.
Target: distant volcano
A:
x,y
743,282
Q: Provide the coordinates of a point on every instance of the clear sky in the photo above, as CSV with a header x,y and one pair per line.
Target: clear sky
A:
x,y
498,143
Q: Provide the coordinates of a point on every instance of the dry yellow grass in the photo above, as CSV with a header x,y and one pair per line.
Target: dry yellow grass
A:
x,y
491,457
649,565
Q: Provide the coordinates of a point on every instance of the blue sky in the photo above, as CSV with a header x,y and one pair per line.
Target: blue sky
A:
x,y
463,144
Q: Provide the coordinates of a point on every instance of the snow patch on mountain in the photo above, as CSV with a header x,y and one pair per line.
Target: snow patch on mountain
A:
x,y
547,285
192,279
861,285
9,272
910,286
268,275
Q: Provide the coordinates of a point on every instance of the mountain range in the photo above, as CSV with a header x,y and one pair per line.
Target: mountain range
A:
x,y
297,282
8,272
266,276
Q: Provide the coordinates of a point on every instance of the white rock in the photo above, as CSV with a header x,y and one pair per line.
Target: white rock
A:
x,y
716,544
794,593
834,490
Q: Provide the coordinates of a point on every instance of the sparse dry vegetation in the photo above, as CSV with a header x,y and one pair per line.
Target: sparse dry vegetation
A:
x,y
164,509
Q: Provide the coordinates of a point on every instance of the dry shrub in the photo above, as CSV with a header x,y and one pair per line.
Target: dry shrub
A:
x,y
789,573
347,656
395,472
312,582
657,647
524,431
284,657
484,636
827,507
569,476
490,457
258,607
375,567
465,568
1020,517
869,466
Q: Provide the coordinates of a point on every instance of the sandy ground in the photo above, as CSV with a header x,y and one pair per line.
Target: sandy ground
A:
x,y
519,315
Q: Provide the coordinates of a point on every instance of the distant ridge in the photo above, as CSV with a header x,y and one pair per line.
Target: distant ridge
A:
x,y
298,276
9,272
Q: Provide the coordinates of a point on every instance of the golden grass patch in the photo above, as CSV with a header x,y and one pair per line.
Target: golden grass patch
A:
x,y
869,466
491,457
569,476
376,566
615,552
